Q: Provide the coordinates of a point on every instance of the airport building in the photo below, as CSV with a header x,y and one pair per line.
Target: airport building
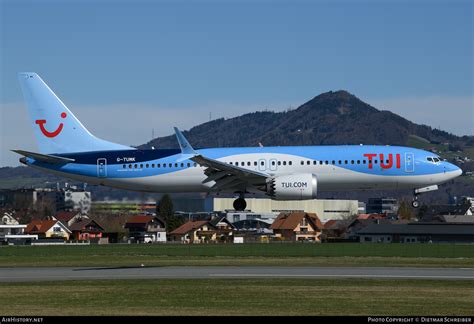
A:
x,y
326,209
382,206
264,208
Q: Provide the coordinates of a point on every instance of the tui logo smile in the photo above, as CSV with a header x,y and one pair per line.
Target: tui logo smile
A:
x,y
58,130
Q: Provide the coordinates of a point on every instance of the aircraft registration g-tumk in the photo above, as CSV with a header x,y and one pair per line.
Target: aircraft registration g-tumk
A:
x,y
67,148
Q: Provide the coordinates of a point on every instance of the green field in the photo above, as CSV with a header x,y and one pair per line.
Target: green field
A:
x,y
239,297
336,254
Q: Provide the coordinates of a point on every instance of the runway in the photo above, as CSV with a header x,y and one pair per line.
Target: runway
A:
x,y
60,273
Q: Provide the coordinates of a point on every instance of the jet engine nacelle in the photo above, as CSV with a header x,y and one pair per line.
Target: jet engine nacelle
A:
x,y
300,186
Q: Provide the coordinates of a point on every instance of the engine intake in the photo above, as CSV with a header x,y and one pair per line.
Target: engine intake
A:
x,y
301,186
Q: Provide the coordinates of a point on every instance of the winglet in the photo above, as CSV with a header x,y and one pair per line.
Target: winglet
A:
x,y
186,148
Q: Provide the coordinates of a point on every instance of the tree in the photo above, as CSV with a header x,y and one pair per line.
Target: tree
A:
x,y
405,211
165,210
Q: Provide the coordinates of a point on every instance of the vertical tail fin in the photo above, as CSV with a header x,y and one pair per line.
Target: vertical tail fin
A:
x,y
57,130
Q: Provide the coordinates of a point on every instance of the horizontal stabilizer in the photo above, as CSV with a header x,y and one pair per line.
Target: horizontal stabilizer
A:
x,y
52,159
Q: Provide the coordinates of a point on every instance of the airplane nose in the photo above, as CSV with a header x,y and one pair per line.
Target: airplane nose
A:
x,y
458,171
454,170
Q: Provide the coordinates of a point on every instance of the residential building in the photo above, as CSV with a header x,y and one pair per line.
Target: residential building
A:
x,y
224,228
417,233
48,229
15,234
8,219
195,232
146,229
69,217
86,230
298,227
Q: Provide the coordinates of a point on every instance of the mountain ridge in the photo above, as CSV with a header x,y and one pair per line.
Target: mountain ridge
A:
x,y
331,118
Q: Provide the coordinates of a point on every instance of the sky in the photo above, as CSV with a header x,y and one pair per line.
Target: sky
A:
x,y
131,69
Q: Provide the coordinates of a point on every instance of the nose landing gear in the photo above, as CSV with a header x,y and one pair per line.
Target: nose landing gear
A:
x,y
415,203
240,204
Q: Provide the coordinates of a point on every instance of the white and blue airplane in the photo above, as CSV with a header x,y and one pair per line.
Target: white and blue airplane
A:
x,y
67,148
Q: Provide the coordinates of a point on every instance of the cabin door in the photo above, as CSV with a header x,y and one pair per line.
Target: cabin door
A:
x,y
409,162
102,168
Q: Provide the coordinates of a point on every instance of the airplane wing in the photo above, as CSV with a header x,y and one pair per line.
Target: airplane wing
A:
x,y
225,176
47,158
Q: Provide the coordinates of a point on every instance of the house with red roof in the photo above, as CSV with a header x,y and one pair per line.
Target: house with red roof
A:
x,y
69,217
297,227
195,232
146,229
86,230
48,229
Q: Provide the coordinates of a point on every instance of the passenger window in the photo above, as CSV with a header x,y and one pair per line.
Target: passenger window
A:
x,y
302,162
290,163
141,166
255,163
326,162
352,161
320,162
279,162
182,165
231,163
273,163
236,163
124,166
129,166
345,161
363,161
340,162
262,163
158,165
284,162
147,165
248,163
136,166
333,162
358,161
153,165
375,161
308,162
315,162
430,159
189,164
170,165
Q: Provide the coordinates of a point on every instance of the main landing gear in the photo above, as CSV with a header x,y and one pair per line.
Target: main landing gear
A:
x,y
240,204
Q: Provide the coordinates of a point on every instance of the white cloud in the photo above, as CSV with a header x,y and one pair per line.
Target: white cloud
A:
x,y
448,113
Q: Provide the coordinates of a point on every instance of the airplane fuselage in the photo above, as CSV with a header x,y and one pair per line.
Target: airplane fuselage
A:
x,y
337,168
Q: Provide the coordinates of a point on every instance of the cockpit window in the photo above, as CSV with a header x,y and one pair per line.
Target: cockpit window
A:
x,y
433,159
